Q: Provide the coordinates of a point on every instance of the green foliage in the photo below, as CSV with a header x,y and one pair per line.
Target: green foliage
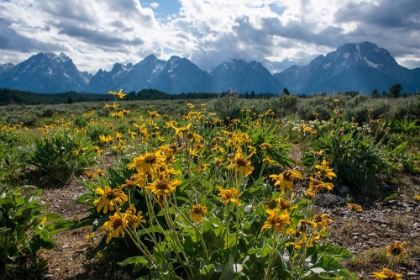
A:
x,y
354,155
320,112
25,227
63,155
228,107
13,161
282,105
364,112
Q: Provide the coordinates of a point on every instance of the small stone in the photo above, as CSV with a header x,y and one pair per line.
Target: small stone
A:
x,y
48,276
411,274
386,189
65,246
384,225
365,246
343,189
415,225
373,235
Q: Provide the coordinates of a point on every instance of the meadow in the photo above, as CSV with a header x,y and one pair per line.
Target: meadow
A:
x,y
323,187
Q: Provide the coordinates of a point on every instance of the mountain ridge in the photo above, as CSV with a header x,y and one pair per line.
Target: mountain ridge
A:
x,y
358,67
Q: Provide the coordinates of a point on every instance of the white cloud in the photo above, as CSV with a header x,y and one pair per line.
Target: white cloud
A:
x,y
154,5
96,34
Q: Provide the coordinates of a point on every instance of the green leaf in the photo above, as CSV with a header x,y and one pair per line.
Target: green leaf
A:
x,y
208,272
136,260
228,271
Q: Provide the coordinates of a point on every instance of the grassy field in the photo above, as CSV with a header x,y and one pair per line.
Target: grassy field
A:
x,y
324,187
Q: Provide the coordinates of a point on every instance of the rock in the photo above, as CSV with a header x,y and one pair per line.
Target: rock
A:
x,y
373,235
329,200
386,188
343,189
48,276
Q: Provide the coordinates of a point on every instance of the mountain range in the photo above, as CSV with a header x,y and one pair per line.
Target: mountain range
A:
x,y
360,67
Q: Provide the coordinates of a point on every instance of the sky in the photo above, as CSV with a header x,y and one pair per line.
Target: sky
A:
x,y
96,34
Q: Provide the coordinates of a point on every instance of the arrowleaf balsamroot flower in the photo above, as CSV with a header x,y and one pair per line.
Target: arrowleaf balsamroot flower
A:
x,y
118,94
116,225
197,213
145,163
317,185
163,187
276,219
322,220
134,219
108,198
396,249
355,207
325,170
387,274
285,179
229,195
241,164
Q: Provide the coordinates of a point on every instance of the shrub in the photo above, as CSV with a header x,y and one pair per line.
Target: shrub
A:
x,y
63,155
24,229
354,155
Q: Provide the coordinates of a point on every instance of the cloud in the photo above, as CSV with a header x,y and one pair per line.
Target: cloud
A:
x,y
96,34
154,5
11,40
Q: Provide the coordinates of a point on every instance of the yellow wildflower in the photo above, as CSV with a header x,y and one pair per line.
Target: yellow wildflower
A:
x,y
241,164
276,219
153,114
285,179
387,274
108,198
355,207
396,249
145,163
322,220
197,213
229,195
115,226
163,187
326,171
318,185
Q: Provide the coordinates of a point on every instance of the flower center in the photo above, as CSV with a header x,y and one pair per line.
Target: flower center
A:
x,y
113,194
116,223
287,175
285,204
197,209
150,159
162,185
241,161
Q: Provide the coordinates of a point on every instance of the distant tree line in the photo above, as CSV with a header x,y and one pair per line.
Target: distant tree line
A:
x,y
12,96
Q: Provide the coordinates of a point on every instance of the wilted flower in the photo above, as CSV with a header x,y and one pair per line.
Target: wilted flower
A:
x,y
396,249
387,274
355,207
197,213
